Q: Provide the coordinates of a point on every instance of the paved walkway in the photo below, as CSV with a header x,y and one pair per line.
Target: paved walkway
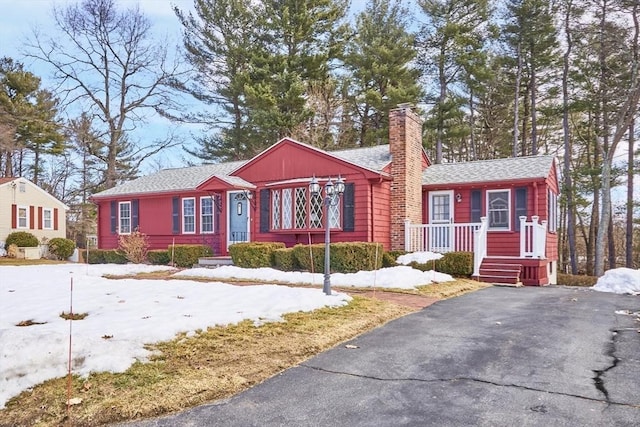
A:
x,y
549,356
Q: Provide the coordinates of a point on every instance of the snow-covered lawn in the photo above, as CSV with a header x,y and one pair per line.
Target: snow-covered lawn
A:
x,y
125,314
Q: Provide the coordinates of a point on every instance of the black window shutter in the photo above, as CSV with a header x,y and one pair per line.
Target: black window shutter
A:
x,y
135,217
217,209
476,205
176,215
520,206
265,210
114,216
348,207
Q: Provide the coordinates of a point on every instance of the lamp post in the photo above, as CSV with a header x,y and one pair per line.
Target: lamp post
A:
x,y
332,193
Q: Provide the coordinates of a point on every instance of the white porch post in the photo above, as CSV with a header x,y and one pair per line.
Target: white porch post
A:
x,y
479,246
535,241
523,236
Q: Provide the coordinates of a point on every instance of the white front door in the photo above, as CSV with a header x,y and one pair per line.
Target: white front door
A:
x,y
441,218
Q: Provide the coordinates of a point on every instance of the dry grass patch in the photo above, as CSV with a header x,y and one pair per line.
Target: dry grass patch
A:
x,y
187,371
456,288
73,316
21,261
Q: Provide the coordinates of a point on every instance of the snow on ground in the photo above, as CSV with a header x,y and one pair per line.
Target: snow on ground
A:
x,y
419,257
619,281
394,277
123,315
126,314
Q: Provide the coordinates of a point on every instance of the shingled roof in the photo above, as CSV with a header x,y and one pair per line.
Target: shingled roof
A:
x,y
509,169
375,158
175,179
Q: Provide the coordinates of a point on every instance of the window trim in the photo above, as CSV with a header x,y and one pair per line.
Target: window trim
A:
x,y
195,210
336,217
202,215
120,217
44,218
552,220
26,217
508,213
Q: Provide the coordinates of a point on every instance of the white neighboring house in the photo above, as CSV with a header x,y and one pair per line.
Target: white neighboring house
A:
x,y
26,207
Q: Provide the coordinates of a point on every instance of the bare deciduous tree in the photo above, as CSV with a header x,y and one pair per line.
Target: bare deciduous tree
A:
x,y
107,65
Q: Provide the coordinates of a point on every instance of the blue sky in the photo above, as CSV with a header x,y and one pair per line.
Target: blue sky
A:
x,y
18,18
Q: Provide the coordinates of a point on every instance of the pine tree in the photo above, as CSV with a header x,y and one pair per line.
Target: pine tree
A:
x,y
531,37
379,59
30,117
452,29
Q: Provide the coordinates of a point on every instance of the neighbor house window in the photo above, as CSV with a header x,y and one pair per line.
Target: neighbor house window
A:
x,y
295,208
47,219
553,212
498,209
23,187
206,214
124,217
23,217
189,215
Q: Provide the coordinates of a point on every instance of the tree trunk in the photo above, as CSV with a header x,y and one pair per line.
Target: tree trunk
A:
x,y
534,136
630,176
442,81
516,104
568,184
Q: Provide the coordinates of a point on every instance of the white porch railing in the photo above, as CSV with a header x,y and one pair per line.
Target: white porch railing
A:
x,y
440,238
533,236
472,237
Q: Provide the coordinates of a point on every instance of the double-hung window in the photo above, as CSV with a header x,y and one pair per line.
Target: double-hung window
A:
x,y
189,215
124,217
47,219
23,217
206,215
499,209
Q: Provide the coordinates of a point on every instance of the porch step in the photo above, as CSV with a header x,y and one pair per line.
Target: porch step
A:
x,y
505,274
214,261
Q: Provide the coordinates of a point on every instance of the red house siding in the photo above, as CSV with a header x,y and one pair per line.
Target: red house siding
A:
x,y
155,220
499,243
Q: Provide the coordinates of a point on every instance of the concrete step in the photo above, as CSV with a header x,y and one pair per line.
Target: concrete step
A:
x,y
214,261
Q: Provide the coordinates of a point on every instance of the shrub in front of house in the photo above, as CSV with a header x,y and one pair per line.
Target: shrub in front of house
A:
x,y
351,257
310,257
458,264
284,260
188,255
576,280
61,248
254,254
134,246
106,256
22,239
158,257
346,257
389,258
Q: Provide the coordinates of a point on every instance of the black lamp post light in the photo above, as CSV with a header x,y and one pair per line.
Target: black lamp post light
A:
x,y
332,193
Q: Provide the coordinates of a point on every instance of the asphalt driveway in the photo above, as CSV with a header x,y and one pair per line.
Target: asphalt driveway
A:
x,y
497,357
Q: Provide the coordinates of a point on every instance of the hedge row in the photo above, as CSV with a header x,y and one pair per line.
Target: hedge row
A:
x,y
106,256
344,257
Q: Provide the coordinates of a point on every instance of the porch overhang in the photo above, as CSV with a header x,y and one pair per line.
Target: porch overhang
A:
x,y
218,183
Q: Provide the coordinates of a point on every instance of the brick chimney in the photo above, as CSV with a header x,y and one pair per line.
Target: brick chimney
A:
x,y
405,144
